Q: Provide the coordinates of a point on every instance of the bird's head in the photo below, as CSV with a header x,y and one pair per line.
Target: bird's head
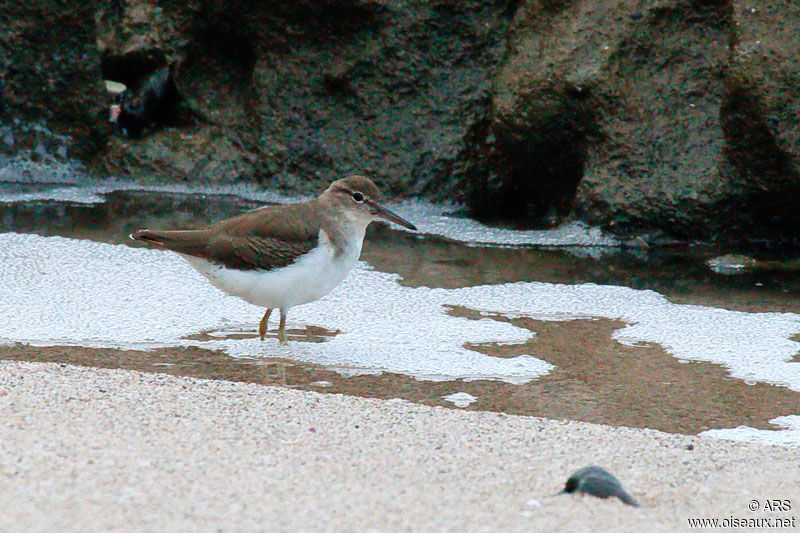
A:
x,y
360,199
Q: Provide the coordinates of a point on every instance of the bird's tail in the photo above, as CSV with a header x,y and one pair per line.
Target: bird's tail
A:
x,y
155,238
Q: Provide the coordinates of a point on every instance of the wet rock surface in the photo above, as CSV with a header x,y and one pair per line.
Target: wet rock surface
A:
x,y
202,154
674,115
760,118
303,94
677,116
50,73
611,109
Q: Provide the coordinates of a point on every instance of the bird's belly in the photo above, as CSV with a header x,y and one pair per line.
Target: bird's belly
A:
x,y
309,278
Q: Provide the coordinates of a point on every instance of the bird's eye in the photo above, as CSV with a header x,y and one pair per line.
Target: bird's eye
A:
x,y
358,197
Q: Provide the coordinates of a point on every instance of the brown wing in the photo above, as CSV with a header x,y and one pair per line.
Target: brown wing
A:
x,y
293,222
264,239
260,253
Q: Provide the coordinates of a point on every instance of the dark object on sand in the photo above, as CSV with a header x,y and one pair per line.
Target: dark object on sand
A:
x,y
153,103
595,481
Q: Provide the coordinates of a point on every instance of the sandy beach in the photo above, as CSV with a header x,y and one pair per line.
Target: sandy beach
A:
x,y
114,450
389,267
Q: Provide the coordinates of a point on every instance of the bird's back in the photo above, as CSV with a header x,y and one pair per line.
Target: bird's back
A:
x,y
263,239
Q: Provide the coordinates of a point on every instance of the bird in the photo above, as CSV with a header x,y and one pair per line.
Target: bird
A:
x,y
597,482
154,102
279,257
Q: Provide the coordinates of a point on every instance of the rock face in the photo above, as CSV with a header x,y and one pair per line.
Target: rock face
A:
x,y
612,110
311,91
675,115
50,73
135,38
659,137
761,118
391,89
200,155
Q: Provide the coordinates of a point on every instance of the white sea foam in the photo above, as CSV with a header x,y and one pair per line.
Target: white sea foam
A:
x,y
460,399
61,291
790,436
55,290
90,191
437,219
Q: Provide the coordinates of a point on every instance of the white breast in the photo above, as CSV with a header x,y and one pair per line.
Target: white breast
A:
x,y
309,278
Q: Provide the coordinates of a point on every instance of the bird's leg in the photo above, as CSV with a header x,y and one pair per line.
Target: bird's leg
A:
x,y
282,328
262,326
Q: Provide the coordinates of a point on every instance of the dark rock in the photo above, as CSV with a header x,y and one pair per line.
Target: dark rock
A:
x,y
675,118
49,72
389,89
201,155
680,117
314,90
595,481
614,118
760,122
135,38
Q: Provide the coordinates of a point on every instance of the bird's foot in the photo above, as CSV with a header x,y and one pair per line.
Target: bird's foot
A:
x,y
262,326
282,329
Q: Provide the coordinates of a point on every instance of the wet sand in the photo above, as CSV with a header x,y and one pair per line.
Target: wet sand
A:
x,y
96,449
129,440
596,378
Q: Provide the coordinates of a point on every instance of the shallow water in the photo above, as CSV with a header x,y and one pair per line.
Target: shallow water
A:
x,y
575,326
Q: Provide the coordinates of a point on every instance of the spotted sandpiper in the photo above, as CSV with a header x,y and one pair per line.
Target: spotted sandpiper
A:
x,y
283,256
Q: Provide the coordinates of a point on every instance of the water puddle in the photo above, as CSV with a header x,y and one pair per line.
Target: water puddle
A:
x,y
307,334
595,380
574,327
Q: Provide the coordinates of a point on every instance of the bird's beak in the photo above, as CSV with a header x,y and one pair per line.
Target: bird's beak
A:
x,y
382,212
